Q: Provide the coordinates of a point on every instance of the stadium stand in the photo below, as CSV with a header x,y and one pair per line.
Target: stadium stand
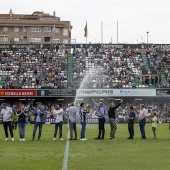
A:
x,y
159,64
33,69
103,68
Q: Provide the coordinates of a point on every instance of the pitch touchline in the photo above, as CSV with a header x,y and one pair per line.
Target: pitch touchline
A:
x,y
65,160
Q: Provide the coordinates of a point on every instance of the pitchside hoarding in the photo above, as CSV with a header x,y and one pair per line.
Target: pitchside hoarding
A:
x,y
135,92
163,92
115,92
56,92
84,92
18,93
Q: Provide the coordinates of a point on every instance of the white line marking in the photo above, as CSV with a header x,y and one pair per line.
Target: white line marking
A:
x,y
65,160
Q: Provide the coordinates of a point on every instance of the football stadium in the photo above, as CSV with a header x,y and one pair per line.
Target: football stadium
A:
x,y
80,106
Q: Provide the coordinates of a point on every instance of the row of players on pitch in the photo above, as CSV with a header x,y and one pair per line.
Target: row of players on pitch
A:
x,y
6,114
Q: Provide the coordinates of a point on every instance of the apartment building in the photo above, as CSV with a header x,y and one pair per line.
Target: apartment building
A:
x,y
35,28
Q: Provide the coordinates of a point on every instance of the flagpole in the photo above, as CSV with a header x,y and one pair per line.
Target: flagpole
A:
x,y
117,32
85,34
101,32
86,41
23,33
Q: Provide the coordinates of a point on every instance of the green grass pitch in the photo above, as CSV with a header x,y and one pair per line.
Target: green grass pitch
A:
x,y
121,154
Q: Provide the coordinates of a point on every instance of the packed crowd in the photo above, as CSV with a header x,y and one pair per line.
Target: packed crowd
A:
x,y
105,68
159,61
99,68
38,68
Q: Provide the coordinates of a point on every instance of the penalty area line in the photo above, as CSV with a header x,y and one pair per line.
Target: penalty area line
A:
x,y
65,159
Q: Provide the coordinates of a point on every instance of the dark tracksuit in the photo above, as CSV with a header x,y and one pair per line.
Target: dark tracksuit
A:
x,y
112,117
131,125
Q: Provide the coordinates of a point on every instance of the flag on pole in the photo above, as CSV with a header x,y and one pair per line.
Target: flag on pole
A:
x,y
85,30
69,32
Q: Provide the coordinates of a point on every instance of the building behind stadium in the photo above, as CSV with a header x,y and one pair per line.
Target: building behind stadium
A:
x,y
35,28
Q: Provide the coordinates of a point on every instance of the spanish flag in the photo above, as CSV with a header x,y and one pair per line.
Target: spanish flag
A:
x,y
85,30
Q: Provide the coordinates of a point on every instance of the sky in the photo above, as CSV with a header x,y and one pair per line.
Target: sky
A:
x,y
134,18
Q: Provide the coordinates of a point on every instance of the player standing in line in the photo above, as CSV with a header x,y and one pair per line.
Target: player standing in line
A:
x,y
38,120
82,113
142,120
101,118
6,114
131,119
154,121
21,122
72,111
112,117
168,114
58,114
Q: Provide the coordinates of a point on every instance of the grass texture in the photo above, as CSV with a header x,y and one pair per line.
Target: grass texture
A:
x,y
121,154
